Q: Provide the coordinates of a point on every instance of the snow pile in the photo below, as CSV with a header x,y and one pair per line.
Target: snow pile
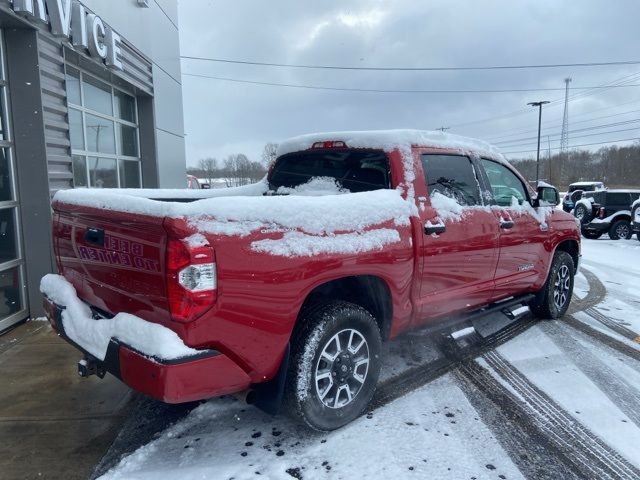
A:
x,y
325,215
298,244
446,207
316,186
540,214
94,335
389,140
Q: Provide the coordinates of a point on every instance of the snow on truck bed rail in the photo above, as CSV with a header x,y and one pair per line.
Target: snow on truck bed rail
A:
x,y
324,224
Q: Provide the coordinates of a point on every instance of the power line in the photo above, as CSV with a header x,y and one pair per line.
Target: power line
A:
x,y
504,143
580,136
582,145
412,69
376,90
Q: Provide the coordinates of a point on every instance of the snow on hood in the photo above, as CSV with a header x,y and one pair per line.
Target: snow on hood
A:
x,y
94,335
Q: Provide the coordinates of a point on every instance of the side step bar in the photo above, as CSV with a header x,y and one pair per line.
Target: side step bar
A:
x,y
487,322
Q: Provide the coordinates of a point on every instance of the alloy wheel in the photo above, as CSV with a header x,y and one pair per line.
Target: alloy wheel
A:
x,y
342,368
561,287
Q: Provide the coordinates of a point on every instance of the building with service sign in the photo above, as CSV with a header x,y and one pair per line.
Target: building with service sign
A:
x,y
90,96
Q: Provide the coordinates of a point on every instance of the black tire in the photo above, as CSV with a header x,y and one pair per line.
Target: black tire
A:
x,y
318,328
620,229
582,213
590,235
544,304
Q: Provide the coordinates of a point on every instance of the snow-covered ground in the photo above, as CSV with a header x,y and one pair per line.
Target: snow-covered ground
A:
x,y
553,402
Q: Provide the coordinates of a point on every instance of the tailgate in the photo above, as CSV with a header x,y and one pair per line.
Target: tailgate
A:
x,y
115,260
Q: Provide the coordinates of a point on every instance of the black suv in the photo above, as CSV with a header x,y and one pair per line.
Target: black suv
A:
x,y
575,191
606,211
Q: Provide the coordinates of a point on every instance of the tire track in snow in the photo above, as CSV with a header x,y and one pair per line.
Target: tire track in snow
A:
x,y
595,295
623,395
613,325
587,451
603,338
530,450
409,380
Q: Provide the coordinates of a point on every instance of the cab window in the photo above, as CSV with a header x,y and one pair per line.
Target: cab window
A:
x,y
505,185
452,176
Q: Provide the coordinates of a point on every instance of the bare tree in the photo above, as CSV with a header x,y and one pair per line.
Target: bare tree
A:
x,y
209,167
269,154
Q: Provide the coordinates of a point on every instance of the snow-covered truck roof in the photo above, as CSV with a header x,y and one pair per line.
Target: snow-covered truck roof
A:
x,y
390,140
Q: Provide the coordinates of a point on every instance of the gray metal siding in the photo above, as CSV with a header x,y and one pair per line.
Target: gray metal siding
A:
x,y
54,106
137,73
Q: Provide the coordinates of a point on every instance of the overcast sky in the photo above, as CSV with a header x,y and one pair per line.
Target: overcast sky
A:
x,y
222,117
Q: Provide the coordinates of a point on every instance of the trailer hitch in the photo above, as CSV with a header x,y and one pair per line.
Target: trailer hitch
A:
x,y
90,366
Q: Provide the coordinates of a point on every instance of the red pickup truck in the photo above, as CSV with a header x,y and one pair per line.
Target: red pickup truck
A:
x,y
288,287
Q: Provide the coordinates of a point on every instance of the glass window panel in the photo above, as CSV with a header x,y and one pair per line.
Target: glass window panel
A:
x,y
504,183
79,171
10,288
8,250
73,86
75,129
100,136
129,174
128,141
97,95
103,173
452,176
125,106
5,176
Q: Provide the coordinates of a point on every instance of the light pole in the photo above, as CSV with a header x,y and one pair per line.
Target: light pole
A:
x,y
539,105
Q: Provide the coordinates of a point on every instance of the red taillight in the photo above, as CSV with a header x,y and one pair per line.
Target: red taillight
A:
x,y
329,144
191,280
601,212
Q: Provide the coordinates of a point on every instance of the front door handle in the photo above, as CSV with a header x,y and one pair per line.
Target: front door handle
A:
x,y
506,224
438,228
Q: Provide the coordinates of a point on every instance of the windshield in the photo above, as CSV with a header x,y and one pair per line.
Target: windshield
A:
x,y
353,170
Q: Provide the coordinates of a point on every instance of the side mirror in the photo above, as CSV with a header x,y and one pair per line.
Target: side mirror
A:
x,y
548,196
206,186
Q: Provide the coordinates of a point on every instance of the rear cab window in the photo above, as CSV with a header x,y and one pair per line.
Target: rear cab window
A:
x,y
453,176
353,170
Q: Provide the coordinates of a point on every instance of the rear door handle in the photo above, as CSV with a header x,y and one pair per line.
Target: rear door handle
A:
x,y
506,224
438,228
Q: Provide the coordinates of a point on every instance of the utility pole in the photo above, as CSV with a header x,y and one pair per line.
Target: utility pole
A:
x,y
539,105
564,136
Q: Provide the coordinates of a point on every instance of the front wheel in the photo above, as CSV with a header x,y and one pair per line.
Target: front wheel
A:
x,y
620,229
554,298
334,367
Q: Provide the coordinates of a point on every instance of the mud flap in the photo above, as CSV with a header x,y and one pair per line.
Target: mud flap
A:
x,y
268,396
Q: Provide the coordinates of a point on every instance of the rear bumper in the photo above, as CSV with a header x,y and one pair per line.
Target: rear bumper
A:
x,y
187,379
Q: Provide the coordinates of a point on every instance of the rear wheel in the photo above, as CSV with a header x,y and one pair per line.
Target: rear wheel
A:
x,y
335,364
581,213
620,229
554,298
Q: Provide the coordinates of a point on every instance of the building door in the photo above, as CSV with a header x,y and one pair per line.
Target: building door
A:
x,y
12,284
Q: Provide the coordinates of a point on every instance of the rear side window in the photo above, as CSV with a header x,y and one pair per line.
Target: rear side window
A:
x,y
618,198
505,185
452,176
354,170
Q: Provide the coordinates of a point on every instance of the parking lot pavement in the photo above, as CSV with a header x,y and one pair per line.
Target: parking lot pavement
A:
x,y
53,424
